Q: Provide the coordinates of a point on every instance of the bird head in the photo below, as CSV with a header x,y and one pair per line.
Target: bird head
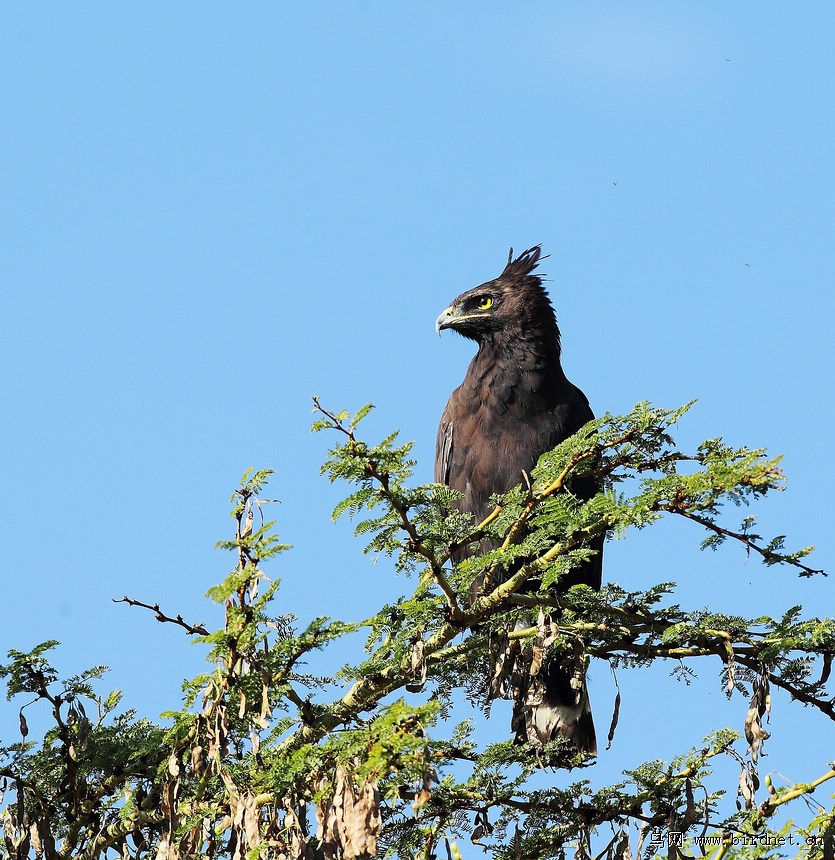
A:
x,y
515,304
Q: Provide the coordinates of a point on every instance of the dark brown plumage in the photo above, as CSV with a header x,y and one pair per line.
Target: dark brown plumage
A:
x,y
514,404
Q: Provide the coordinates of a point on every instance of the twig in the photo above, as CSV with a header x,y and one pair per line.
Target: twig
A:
x,y
415,542
741,537
769,806
191,629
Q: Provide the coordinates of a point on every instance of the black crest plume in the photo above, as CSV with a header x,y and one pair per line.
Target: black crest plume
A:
x,y
524,264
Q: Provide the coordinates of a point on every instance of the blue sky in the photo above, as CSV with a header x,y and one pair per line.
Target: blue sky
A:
x,y
212,212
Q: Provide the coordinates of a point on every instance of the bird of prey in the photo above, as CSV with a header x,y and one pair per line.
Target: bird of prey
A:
x,y
514,404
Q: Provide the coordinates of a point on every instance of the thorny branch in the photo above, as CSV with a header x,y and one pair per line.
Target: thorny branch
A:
x,y
679,508
415,541
191,629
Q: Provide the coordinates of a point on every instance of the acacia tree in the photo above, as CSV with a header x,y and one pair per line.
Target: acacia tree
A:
x,y
265,760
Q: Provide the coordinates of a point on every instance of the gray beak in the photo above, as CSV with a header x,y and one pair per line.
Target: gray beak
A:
x,y
444,320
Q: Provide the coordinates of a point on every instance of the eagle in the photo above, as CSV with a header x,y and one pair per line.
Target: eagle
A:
x,y
514,404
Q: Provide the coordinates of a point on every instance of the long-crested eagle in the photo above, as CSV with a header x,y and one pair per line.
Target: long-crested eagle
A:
x,y
514,404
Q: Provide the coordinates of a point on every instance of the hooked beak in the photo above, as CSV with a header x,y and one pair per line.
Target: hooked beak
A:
x,y
445,320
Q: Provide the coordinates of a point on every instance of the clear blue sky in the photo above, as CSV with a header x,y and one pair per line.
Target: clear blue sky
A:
x,y
211,212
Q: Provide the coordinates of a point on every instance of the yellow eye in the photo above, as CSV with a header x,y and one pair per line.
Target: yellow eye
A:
x,y
484,303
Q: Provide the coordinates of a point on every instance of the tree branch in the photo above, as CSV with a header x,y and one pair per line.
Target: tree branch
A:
x,y
191,629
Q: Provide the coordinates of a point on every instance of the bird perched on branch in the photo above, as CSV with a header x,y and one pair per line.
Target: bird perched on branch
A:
x,y
514,404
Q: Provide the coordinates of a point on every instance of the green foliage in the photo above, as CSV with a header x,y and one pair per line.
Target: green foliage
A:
x,y
258,743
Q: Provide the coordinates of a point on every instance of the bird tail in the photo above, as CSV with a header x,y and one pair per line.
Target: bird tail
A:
x,y
558,706
549,693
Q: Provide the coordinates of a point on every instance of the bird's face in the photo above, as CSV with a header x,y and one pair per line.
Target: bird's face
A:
x,y
474,313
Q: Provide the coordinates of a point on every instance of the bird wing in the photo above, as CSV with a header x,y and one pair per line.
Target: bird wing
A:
x,y
443,448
